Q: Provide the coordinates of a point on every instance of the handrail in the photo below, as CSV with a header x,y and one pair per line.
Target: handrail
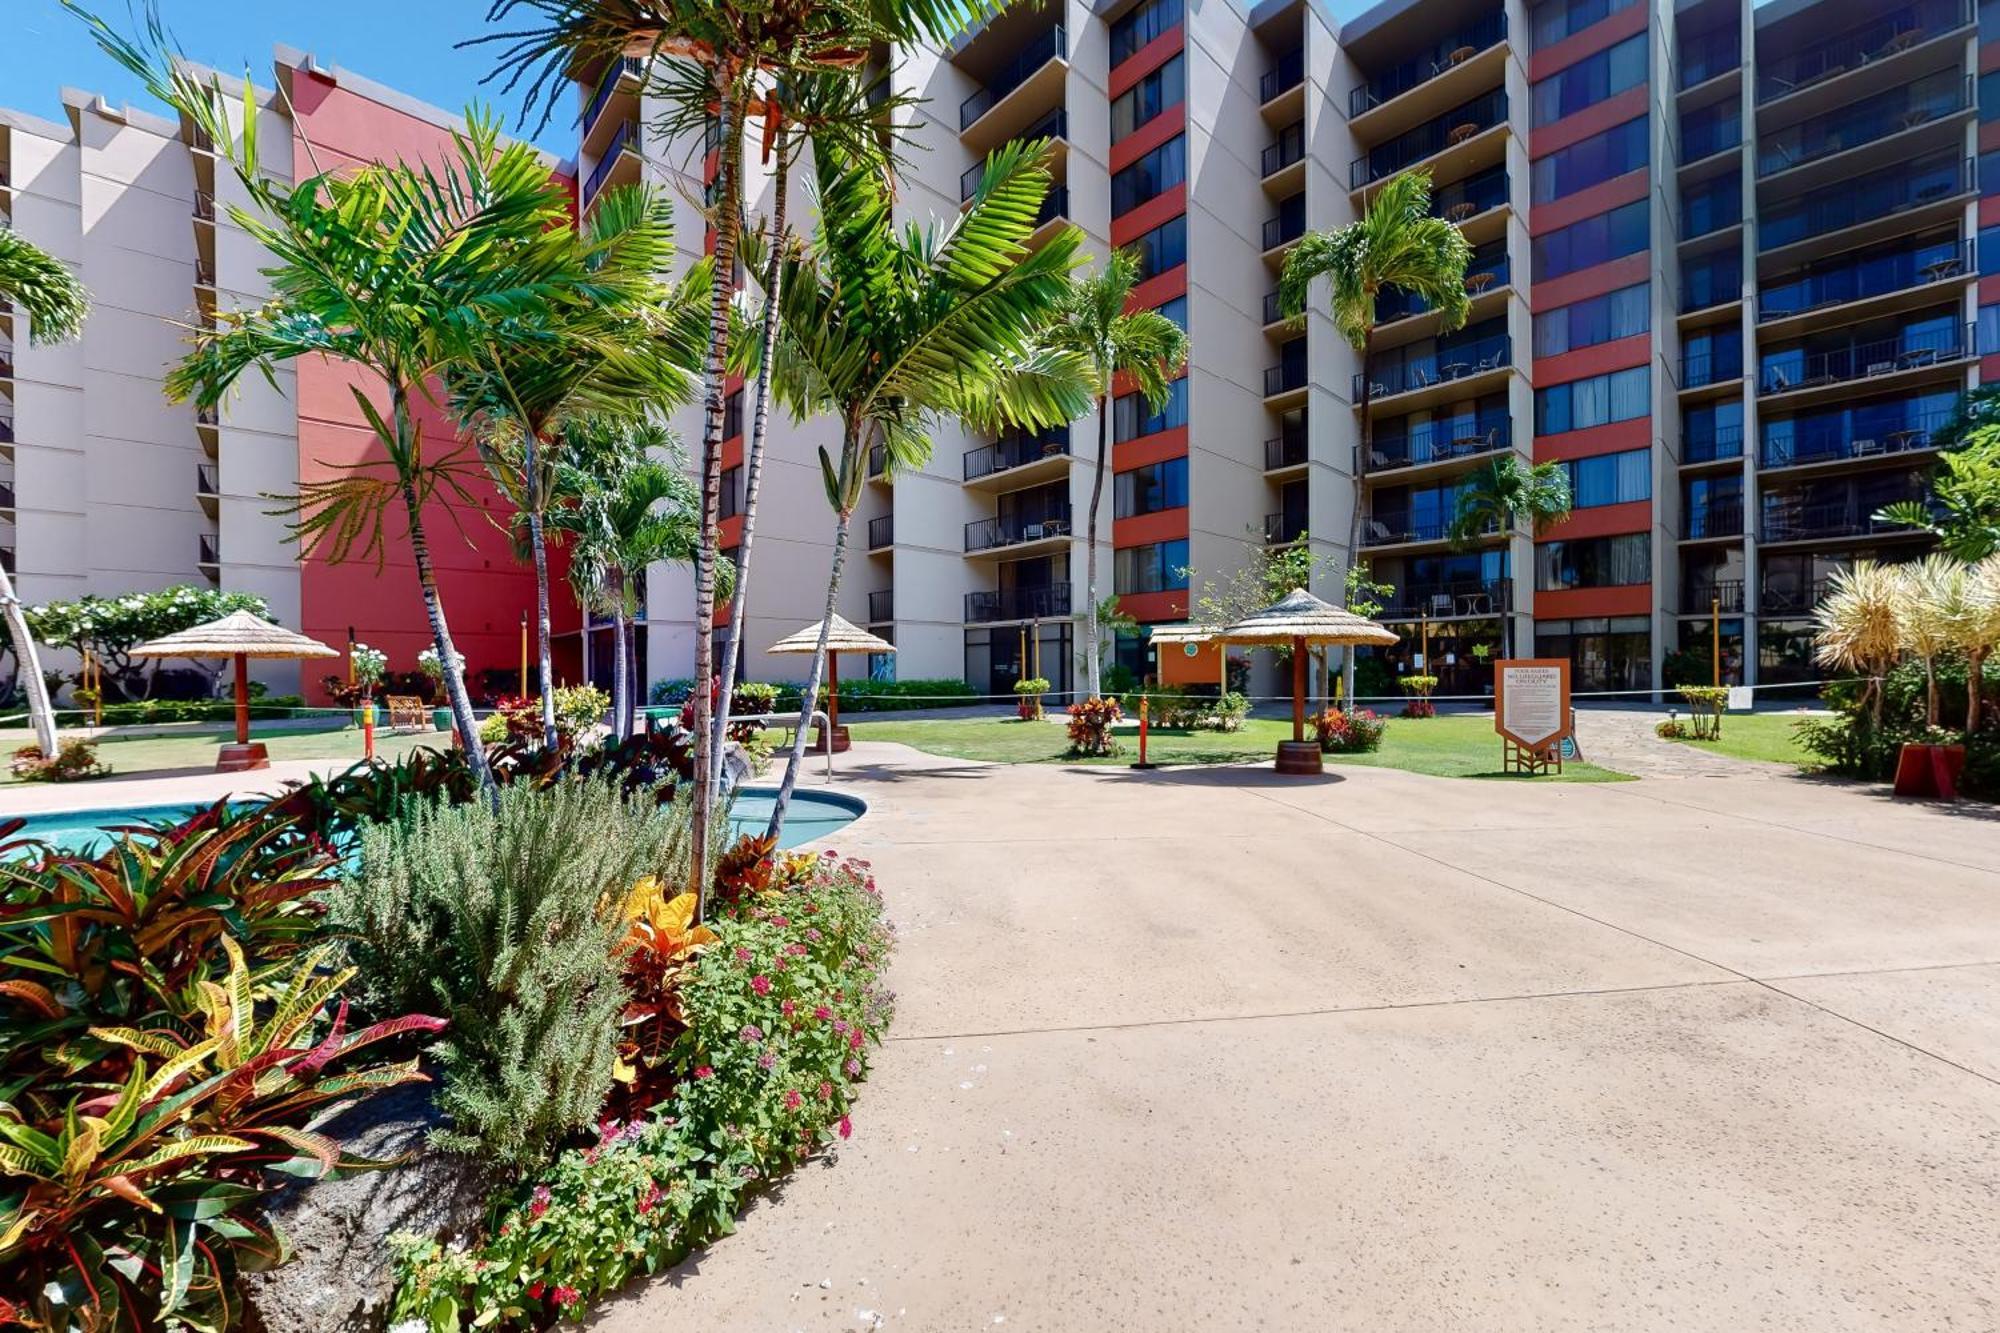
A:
x,y
989,604
618,69
1435,135
1868,276
1054,125
984,534
1852,202
1441,58
1880,356
1481,356
616,149
1037,52
1929,431
1016,451
1856,126
1881,38
1288,73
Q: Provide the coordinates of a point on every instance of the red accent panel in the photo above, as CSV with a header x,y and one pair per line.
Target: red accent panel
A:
x,y
1144,529
1573,603
1579,126
1147,137
1150,607
1150,449
1159,289
1621,354
1602,521
1989,290
1146,59
1989,136
730,533
1589,282
1599,198
1129,227
1989,369
1989,211
1597,37
1614,438
1989,57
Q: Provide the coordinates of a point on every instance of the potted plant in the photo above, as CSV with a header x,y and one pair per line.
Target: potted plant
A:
x,y
366,666
1028,697
429,664
1418,688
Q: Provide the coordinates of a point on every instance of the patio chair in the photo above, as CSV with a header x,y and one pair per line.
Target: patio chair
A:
x,y
407,710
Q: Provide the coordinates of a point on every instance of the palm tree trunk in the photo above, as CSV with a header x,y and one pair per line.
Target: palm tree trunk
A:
x,y
621,688
1360,496
538,544
728,213
753,458
1930,694
614,585
1975,666
40,713
1090,662
454,675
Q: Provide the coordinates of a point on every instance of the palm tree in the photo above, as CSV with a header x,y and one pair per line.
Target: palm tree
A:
x,y
1396,245
1931,603
1963,511
56,305
1976,632
1856,629
889,332
1497,497
1093,323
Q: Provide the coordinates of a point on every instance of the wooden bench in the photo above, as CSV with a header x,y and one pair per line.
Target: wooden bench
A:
x,y
407,710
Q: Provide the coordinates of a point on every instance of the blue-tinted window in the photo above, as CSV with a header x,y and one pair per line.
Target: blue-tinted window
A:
x,y
1989,251
1610,479
1597,400
1553,20
1131,417
1162,248
1591,80
1594,562
1589,162
1161,90
1160,567
1177,311
1150,489
1623,231
1989,96
1152,175
1600,319
1709,130
1142,25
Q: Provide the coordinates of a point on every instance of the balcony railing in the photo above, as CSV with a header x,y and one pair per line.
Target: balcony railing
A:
x,y
1016,451
1724,595
1707,135
1857,280
1927,431
1287,74
1282,529
878,461
1017,604
1051,45
204,479
1390,529
1860,125
1790,597
7,560
1464,200
1433,136
1444,57
1704,368
626,138
1856,361
984,534
6,430
1829,519
1709,55
1717,518
1288,375
1712,281
207,416
606,86
1722,442
881,531
1483,274
204,205
1055,125
1055,204
1875,196
210,550
1441,441
1288,226
1455,599
204,274
1273,311
1288,450
1445,366
1290,147
881,606
6,495
1894,32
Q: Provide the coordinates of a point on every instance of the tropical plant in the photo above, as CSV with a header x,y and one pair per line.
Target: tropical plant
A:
x,y
1090,723
74,760
1501,495
1397,245
1963,509
1356,731
1093,322
1975,632
109,628
1855,627
433,669
888,333
1930,605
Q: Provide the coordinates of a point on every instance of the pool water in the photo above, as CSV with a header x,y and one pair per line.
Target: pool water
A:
x,y
813,814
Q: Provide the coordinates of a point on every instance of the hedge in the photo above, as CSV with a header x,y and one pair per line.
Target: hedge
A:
x,y
856,696
147,711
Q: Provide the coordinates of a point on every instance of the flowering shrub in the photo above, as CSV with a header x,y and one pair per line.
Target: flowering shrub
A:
x,y
1419,689
781,1013
1672,729
110,627
74,760
1090,726
1358,732
429,663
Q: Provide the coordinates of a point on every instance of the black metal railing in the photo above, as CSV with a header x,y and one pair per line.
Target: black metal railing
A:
x,y
1892,33
1702,368
1856,361
1477,357
984,534
1054,125
1442,58
1828,519
204,274
1722,442
878,461
1928,430
626,138
1711,208
210,550
881,531
881,606
1481,275
1441,440
1284,528
1288,450
1708,134
1456,599
6,430
1039,51
6,495
1288,226
204,205
1390,529
1791,597
989,604
1016,451
1273,310
207,416
1709,55
620,67
1289,147
1868,199
1289,374
1431,137
1859,279
1287,74
1722,517
204,479
1862,124
1467,199
1724,595
1055,204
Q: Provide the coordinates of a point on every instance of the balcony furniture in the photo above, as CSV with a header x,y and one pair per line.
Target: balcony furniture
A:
x,y
1478,282
1440,605
1942,269
1493,362
1461,211
1461,133
1376,389
1377,459
1912,119
1902,41
1899,440
1455,369
1378,531
1460,56
1865,447
1917,356
1881,368
1475,603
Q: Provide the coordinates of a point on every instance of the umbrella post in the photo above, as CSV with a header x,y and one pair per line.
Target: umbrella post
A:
x,y
839,738
242,756
1298,755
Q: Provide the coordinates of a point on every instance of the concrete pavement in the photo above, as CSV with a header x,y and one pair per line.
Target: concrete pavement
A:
x,y
1210,1050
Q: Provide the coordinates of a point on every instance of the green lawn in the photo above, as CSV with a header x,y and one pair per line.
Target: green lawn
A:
x,y
1452,747
1767,736
196,749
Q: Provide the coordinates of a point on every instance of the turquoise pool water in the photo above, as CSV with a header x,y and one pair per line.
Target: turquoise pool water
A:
x,y
813,814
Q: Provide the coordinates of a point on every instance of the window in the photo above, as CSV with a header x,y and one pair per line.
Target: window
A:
x,y
732,492
1620,396
1162,90
1612,653
1989,330
1591,161
1142,25
1162,248
1989,173
1151,176
732,415
1176,310
1989,96
1601,319
1591,80
1712,206
1709,130
1553,20
1160,567
1594,562
1131,417
1989,252
1610,479
1596,240
1150,489
1711,356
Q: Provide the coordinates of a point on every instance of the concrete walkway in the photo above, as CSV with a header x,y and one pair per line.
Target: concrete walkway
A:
x,y
1210,1050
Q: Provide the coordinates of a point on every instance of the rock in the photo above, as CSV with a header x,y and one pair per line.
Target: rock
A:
x,y
339,1279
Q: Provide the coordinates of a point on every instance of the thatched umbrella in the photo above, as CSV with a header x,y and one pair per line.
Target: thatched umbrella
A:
x,y
843,637
1300,621
242,636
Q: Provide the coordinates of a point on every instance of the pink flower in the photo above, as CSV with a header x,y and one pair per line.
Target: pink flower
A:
x,y
650,1198
565,1295
742,955
822,1013
812,933
766,1060
779,921
853,1068
846,1128
854,1039
825,1090
830,854
751,1034
761,984
788,1008
796,950
703,1071
792,1099
540,1204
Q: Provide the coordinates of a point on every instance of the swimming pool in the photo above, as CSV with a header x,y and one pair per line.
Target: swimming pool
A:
x,y
813,814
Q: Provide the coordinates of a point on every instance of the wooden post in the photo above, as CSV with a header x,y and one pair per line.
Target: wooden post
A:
x,y
833,690
1715,629
524,652
242,699
1299,689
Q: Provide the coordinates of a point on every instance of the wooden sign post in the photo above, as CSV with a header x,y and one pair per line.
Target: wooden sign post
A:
x,y
1531,712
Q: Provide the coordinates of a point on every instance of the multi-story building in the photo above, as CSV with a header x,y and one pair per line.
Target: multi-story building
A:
x,y
107,488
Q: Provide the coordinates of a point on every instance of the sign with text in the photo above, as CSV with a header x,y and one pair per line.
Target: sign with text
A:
x,y
1531,700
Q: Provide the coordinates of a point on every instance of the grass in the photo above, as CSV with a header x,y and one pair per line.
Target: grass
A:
x,y
1766,736
1462,746
196,749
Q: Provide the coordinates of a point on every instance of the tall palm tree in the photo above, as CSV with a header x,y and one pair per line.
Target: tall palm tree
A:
x,y
1397,245
1976,633
56,305
1855,627
1499,496
1963,508
1094,324
889,332
1931,604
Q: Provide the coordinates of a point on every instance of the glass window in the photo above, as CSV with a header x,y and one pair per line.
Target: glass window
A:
x,y
1150,489
1132,418
1595,240
1989,251
1611,479
1989,329
1594,562
1591,80
1989,96
1176,310
1149,177
1592,161
1162,248
1622,395
1601,319
1989,173
1162,90
1160,567
1553,20
1142,25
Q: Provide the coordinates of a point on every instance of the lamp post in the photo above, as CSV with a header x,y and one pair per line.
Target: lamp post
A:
x,y
1715,636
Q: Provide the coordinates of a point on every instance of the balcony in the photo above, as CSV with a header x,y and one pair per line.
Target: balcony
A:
x,y
1288,73
205,481
1283,529
626,140
1288,226
1908,273
1287,451
1717,518
208,554
1857,210
1288,150
204,206
1887,116
1050,527
1829,520
1465,200
988,605
881,532
6,430
1054,126
1408,530
1701,369
882,606
1481,356
1455,55
625,67
1790,596
204,273
1012,462
878,463
1486,273
1021,70
1450,130
7,495
1874,46
207,416
1441,440
1724,595
1882,358
1274,313
1708,55
1712,282
1289,375
1845,444
1719,445
1460,599
7,560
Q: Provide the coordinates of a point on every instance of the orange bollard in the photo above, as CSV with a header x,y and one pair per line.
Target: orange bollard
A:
x,y
368,730
1142,736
